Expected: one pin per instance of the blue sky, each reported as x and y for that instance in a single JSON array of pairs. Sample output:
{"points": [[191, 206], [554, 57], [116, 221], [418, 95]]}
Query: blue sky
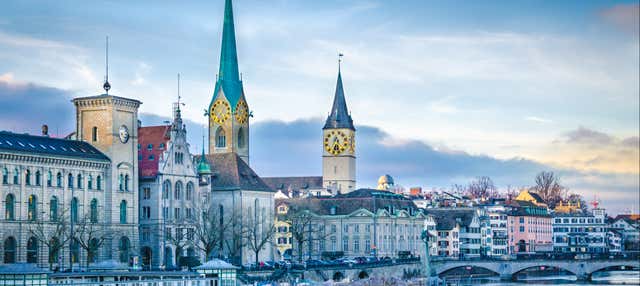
{"points": [[553, 84]]}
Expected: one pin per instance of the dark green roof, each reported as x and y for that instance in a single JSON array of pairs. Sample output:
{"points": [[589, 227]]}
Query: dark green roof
{"points": [[43, 145], [228, 76]]}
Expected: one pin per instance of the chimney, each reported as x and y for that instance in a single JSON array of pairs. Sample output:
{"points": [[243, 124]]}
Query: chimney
{"points": [[45, 130]]}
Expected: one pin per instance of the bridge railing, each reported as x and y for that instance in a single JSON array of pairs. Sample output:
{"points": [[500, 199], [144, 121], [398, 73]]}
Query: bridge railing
{"points": [[545, 256]]}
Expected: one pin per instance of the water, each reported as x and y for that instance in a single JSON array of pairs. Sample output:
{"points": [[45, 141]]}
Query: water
{"points": [[602, 278]]}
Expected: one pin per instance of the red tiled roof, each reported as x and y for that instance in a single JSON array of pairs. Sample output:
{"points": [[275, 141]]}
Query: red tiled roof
{"points": [[154, 135]]}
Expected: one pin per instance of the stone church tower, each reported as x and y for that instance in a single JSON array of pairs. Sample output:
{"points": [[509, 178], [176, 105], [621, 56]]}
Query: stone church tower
{"points": [[228, 111], [338, 146]]}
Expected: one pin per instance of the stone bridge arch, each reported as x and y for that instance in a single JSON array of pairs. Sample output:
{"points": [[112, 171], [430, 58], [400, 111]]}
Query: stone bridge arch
{"points": [[451, 266], [521, 268], [591, 268]]}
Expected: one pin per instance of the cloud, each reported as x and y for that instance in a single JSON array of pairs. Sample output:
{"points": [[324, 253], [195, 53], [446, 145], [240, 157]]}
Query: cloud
{"points": [[537, 119], [624, 16], [587, 136], [26, 106]]}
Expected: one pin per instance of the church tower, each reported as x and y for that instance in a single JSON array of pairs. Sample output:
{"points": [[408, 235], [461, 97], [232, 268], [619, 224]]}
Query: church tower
{"points": [[228, 111], [338, 146]]}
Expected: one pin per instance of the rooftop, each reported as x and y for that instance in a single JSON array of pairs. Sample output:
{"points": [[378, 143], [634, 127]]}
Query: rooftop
{"points": [[48, 146]]}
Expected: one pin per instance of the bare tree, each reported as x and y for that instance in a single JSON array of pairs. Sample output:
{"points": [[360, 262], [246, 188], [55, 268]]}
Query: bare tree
{"points": [[53, 233], [234, 239], [91, 235], [481, 187], [257, 231], [209, 227], [303, 226], [549, 188]]}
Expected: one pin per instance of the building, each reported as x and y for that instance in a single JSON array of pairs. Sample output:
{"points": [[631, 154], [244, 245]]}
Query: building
{"points": [[499, 234], [296, 187], [169, 194], [629, 231], [530, 227], [283, 237], [458, 232], [580, 232]]}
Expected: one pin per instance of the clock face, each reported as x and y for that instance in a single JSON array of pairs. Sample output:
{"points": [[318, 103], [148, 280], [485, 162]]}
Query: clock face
{"points": [[242, 112], [123, 134], [220, 111], [352, 145], [335, 142]]}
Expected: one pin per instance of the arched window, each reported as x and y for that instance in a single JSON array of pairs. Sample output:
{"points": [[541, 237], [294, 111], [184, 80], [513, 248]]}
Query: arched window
{"points": [[38, 178], [9, 203], [168, 260], [178, 191], [49, 179], [59, 180], [54, 250], [16, 176], [124, 247], [121, 182], [92, 252], [53, 209], [90, 182], [189, 195], [99, 183], [27, 177], [70, 181], [123, 211], [79, 181], [221, 138], [75, 251], [32, 209], [5, 176], [126, 182], [94, 134], [166, 189], [32, 250], [10, 250], [74, 209], [93, 214], [241, 138]]}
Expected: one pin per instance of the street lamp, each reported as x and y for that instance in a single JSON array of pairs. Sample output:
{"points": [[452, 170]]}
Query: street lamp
{"points": [[425, 238]]}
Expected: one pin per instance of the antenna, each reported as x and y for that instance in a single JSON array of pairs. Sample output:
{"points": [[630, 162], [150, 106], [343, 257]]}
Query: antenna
{"points": [[106, 84], [178, 90]]}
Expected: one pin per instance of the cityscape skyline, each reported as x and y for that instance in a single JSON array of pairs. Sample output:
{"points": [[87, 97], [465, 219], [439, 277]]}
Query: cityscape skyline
{"points": [[594, 149]]}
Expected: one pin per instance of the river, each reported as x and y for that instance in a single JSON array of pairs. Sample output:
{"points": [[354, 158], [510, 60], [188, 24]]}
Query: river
{"points": [[605, 278]]}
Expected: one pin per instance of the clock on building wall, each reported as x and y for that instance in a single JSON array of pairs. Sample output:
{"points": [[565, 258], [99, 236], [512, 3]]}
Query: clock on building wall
{"points": [[335, 142], [242, 113], [220, 111], [124, 134]]}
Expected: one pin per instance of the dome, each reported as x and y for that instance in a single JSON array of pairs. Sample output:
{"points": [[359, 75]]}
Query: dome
{"points": [[385, 180]]}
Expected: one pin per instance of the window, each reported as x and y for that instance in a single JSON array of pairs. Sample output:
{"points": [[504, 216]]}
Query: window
{"points": [[221, 139], [27, 177], [176, 213], [70, 181], [123, 211], [54, 250], [75, 251], [10, 250], [150, 147], [178, 192], [146, 193], [32, 250], [92, 252], [53, 209], [124, 247], [241, 139], [121, 182], [90, 182], [38, 178], [356, 245], [161, 146], [521, 229], [59, 180], [93, 214], [5, 176], [146, 212], [94, 134], [74, 209], [165, 212], [9, 203], [79, 181], [99, 183], [345, 244], [32, 211], [189, 191], [151, 157], [16, 176], [126, 182], [166, 189]]}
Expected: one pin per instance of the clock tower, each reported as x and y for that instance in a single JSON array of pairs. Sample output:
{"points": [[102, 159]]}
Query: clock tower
{"points": [[338, 146], [228, 111]]}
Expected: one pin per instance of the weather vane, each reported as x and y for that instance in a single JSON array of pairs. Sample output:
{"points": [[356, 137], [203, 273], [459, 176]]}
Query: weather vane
{"points": [[340, 55], [106, 84]]}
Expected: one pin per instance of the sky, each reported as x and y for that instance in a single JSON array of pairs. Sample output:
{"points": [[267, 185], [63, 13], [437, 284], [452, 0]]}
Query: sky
{"points": [[440, 91]]}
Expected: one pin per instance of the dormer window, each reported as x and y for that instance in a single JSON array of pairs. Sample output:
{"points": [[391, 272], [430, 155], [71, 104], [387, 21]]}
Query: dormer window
{"points": [[333, 210]]}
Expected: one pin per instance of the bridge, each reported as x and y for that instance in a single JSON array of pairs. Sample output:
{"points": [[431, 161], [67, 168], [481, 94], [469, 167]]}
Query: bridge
{"points": [[509, 269]]}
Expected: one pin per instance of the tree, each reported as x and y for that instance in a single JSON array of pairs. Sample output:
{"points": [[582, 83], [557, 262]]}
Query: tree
{"points": [[209, 227], [481, 187], [54, 234], [257, 231], [234, 239], [548, 187], [90, 236], [303, 226]]}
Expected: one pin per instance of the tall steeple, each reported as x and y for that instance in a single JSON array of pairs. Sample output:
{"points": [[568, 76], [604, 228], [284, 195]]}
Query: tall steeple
{"points": [[228, 79], [339, 116]]}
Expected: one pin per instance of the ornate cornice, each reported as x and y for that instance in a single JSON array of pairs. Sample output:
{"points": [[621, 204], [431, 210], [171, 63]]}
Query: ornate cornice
{"points": [[35, 159]]}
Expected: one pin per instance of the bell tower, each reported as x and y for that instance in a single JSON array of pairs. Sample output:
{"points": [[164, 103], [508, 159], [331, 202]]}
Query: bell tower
{"points": [[338, 145], [228, 112]]}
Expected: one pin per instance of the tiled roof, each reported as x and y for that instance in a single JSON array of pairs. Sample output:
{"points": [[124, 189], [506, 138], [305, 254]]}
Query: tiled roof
{"points": [[446, 218], [526, 208], [48, 146], [293, 184], [344, 204], [154, 135], [230, 172]]}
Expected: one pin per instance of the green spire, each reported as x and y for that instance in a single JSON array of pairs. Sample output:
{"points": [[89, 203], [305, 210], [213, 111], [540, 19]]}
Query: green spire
{"points": [[203, 165], [228, 76]]}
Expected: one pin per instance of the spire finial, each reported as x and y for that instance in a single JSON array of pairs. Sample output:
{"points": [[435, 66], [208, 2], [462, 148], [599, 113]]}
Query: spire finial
{"points": [[340, 55], [178, 90], [106, 84]]}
